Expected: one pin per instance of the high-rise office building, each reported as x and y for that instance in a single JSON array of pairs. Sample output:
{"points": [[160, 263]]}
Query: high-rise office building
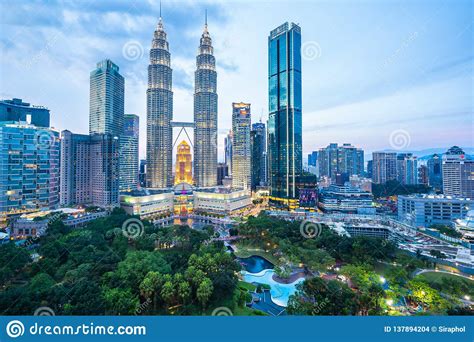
{"points": [[228, 152], [159, 144], [284, 123], [222, 172], [335, 159], [106, 101], [369, 168], [89, 169], [142, 173], [205, 114], [184, 164], [312, 158], [407, 169], [435, 170], [129, 153], [384, 167], [458, 174], [17, 110], [258, 140], [29, 168], [423, 175], [241, 153]]}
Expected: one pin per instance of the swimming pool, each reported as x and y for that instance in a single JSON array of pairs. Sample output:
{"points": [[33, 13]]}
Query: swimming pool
{"points": [[280, 292], [255, 264]]}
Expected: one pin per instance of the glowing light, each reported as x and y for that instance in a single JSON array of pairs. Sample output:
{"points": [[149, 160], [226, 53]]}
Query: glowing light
{"points": [[389, 302], [382, 280]]}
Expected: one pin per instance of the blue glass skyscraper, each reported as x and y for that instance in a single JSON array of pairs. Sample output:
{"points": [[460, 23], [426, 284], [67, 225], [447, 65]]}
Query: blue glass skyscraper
{"points": [[284, 122]]}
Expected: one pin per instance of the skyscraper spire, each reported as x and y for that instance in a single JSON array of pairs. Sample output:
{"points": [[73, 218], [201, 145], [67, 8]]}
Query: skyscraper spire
{"points": [[159, 112], [205, 113]]}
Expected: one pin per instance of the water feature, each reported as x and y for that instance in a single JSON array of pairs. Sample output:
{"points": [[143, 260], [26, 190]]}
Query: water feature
{"points": [[280, 292], [255, 264]]}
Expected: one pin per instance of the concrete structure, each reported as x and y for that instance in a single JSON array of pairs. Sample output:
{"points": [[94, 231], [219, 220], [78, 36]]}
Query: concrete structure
{"points": [[423, 210], [205, 114], [384, 167], [335, 159], [367, 229], [458, 174], [29, 168], [465, 226], [17, 110], [89, 169], [241, 153], [407, 169], [159, 144], [129, 153], [221, 201], [285, 161], [345, 198], [148, 204], [36, 224]]}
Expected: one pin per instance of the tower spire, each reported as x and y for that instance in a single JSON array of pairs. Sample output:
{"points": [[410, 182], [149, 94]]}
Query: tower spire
{"points": [[160, 9]]}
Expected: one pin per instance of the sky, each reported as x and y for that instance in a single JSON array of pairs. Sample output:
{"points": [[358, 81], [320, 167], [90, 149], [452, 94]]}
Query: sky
{"points": [[377, 74]]}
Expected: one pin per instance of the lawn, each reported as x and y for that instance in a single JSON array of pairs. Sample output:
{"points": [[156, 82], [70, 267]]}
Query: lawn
{"points": [[246, 251], [438, 276], [247, 286]]}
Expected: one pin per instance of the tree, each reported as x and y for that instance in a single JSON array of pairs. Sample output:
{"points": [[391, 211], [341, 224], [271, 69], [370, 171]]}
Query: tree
{"points": [[204, 292], [184, 291], [137, 264], [120, 301], [13, 260], [317, 296], [168, 292], [151, 286]]}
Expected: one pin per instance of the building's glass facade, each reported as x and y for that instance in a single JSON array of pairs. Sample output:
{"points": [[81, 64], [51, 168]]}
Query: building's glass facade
{"points": [[129, 153], [241, 155], [29, 168], [259, 155], [284, 122], [205, 115], [106, 106], [17, 110], [159, 113]]}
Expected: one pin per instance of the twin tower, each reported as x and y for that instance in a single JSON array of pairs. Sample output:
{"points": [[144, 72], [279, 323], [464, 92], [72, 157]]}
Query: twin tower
{"points": [[160, 114]]}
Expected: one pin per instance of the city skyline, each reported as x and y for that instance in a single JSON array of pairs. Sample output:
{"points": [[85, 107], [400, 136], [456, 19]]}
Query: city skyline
{"points": [[411, 69]]}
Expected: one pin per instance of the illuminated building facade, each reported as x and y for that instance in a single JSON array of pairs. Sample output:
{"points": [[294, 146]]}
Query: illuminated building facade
{"points": [[159, 113], [284, 122], [29, 168], [241, 155], [205, 114], [184, 164]]}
